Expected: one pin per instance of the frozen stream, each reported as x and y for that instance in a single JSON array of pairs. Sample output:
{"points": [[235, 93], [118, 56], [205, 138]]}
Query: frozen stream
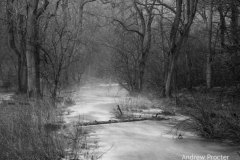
{"points": [[145, 140]]}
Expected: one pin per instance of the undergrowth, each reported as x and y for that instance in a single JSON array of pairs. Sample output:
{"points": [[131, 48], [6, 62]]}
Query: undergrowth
{"points": [[31, 130], [212, 116], [23, 135]]}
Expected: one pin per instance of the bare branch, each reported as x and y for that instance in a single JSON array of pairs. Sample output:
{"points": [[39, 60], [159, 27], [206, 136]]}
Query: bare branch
{"points": [[127, 29], [166, 6], [43, 8]]}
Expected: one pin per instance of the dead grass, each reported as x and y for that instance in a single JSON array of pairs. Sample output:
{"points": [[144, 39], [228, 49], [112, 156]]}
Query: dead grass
{"points": [[23, 135], [141, 107], [31, 130]]}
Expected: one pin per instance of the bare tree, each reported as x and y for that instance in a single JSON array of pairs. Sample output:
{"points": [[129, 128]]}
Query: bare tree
{"points": [[145, 15], [34, 10], [206, 12], [17, 42], [209, 54], [184, 15], [62, 48]]}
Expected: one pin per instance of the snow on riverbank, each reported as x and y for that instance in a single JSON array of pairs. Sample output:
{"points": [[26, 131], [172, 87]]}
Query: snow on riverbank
{"points": [[5, 96]]}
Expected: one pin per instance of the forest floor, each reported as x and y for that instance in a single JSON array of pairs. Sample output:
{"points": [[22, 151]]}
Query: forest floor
{"points": [[142, 140]]}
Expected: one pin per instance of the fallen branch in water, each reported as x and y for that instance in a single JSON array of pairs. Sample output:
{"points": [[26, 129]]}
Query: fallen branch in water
{"points": [[121, 121]]}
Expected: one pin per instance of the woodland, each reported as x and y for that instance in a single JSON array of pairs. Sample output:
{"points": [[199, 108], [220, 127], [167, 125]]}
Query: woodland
{"points": [[186, 52]]}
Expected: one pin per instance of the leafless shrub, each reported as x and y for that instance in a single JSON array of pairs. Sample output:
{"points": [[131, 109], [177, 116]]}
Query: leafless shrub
{"points": [[210, 118], [131, 107], [69, 101]]}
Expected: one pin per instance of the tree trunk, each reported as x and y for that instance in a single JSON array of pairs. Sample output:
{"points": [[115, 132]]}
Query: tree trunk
{"points": [[234, 22], [164, 53], [209, 54], [173, 42], [65, 25], [171, 69], [23, 60], [12, 40], [189, 70], [222, 25], [141, 76], [31, 50], [37, 66], [1, 74], [176, 38], [32, 91], [55, 89], [20, 87], [24, 74], [235, 38], [81, 18], [145, 49]]}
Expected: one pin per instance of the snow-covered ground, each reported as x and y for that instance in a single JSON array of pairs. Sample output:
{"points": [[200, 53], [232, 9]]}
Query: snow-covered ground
{"points": [[145, 140], [5, 96]]}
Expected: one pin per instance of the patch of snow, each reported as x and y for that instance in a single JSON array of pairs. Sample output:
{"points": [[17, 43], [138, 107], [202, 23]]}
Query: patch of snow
{"points": [[5, 96], [152, 111], [108, 85]]}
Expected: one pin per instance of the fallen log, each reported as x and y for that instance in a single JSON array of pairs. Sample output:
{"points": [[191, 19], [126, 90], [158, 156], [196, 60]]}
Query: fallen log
{"points": [[121, 121]]}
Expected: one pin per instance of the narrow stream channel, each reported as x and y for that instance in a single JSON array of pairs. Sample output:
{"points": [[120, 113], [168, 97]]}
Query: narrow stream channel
{"points": [[145, 140]]}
